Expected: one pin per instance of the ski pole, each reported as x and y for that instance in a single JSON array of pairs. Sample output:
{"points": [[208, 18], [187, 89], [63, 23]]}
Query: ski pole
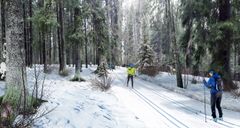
{"points": [[205, 104], [204, 99]]}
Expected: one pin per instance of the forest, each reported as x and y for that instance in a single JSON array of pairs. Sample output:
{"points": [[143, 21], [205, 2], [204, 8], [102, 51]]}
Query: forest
{"points": [[184, 37]]}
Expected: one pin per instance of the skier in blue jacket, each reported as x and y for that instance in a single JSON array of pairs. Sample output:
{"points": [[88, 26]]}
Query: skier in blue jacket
{"points": [[215, 97]]}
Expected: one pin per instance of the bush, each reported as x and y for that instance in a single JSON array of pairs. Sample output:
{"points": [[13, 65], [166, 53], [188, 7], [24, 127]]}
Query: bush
{"points": [[149, 70], [236, 93], [16, 114], [101, 71], [15, 117], [102, 83]]}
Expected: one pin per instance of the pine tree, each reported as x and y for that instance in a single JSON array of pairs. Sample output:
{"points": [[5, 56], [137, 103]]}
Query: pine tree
{"points": [[100, 32], [78, 38], [146, 54]]}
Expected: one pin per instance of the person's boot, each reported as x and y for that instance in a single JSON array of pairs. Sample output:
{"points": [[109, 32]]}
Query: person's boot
{"points": [[221, 118], [215, 119]]}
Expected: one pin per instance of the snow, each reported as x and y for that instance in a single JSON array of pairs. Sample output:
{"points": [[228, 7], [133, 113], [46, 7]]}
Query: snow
{"points": [[2, 70], [148, 105], [195, 91]]}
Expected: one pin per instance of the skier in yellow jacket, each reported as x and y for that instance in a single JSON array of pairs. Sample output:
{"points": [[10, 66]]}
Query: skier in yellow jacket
{"points": [[131, 72]]}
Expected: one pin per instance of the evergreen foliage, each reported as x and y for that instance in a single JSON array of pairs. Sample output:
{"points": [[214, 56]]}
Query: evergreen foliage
{"points": [[146, 55], [210, 28]]}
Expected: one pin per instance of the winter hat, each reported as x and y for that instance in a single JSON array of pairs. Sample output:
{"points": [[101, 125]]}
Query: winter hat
{"points": [[211, 71], [131, 65]]}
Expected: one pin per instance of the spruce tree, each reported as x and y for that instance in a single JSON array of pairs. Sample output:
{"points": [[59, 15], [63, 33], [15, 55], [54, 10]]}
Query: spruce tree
{"points": [[146, 54]]}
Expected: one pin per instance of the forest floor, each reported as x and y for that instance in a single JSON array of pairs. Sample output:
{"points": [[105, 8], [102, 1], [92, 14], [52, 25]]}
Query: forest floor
{"points": [[148, 105]]}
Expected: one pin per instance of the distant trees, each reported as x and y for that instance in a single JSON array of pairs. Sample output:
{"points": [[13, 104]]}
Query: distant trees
{"points": [[190, 35], [182, 34], [48, 25]]}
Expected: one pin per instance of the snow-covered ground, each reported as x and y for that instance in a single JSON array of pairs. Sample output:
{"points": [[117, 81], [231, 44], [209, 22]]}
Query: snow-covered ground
{"points": [[148, 105], [195, 91]]}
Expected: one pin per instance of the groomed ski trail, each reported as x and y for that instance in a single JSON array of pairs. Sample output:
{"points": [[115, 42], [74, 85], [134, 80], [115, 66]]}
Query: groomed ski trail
{"points": [[166, 111]]}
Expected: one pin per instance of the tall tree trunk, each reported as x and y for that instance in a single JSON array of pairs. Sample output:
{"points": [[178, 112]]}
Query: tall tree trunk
{"points": [[40, 47], [235, 60], [115, 31], [1, 44], [30, 52], [108, 5], [73, 55], [86, 44], [97, 41], [16, 75], [69, 49], [61, 37], [3, 27], [173, 40], [50, 42], [77, 45], [68, 55], [238, 57], [221, 58], [97, 26], [44, 51], [55, 47], [25, 32], [43, 32]]}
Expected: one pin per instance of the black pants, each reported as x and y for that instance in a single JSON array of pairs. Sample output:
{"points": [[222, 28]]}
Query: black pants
{"points": [[130, 77], [216, 102]]}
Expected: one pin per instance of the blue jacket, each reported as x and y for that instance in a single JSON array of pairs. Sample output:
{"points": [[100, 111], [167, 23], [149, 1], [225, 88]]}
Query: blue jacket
{"points": [[212, 83]]}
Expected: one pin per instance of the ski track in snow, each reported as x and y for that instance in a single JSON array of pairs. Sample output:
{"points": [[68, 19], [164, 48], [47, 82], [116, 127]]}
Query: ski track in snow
{"points": [[190, 116]]}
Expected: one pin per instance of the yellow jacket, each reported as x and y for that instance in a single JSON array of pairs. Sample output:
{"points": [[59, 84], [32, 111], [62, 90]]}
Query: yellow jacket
{"points": [[131, 71]]}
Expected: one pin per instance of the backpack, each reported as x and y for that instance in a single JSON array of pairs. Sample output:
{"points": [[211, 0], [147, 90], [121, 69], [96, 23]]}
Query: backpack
{"points": [[219, 86]]}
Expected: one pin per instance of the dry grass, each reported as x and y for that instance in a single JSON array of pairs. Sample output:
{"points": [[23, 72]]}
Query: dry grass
{"points": [[236, 92], [102, 83]]}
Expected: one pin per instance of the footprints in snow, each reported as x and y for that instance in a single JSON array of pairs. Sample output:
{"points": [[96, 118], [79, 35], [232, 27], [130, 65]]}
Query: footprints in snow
{"points": [[106, 112], [79, 107]]}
